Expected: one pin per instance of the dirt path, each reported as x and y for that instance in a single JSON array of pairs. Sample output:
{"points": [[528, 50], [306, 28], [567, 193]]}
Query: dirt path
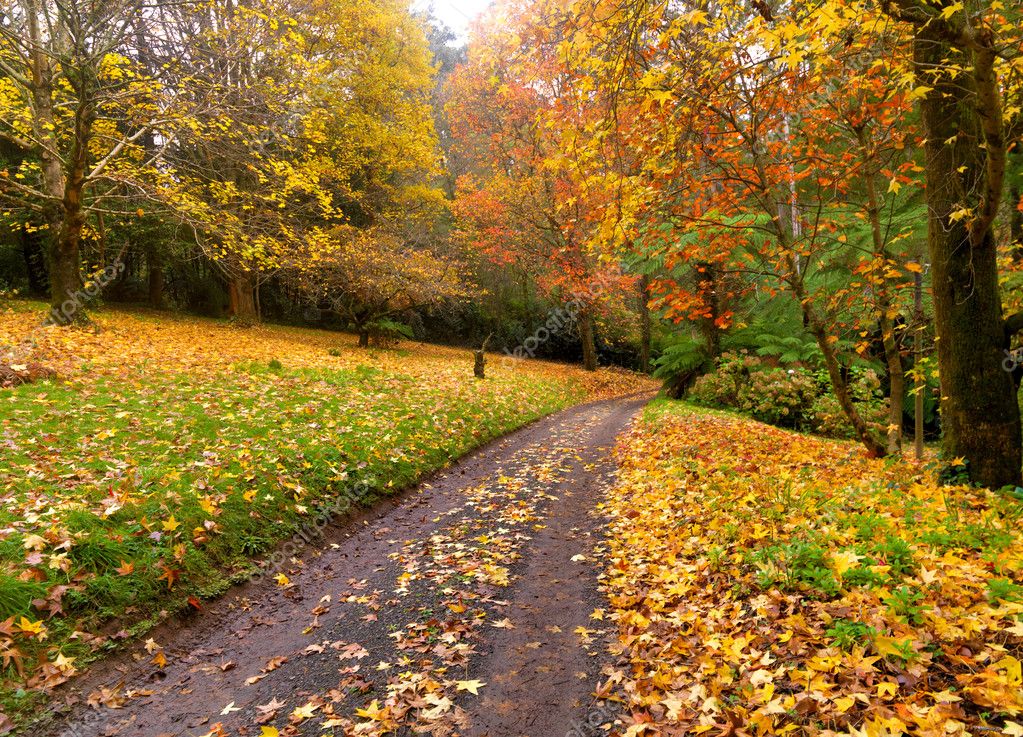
{"points": [[464, 609]]}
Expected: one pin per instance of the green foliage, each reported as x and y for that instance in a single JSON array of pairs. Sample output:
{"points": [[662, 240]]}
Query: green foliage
{"points": [[905, 603], [681, 356], [1002, 589], [845, 633], [789, 348], [896, 553], [798, 565], [386, 333], [16, 596], [679, 363]]}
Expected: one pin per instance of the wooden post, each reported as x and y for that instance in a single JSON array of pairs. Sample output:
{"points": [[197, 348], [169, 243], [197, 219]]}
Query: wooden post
{"points": [[479, 368]]}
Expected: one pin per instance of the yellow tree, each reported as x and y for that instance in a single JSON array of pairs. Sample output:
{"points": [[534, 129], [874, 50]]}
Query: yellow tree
{"points": [[331, 125], [77, 105], [367, 275], [967, 59]]}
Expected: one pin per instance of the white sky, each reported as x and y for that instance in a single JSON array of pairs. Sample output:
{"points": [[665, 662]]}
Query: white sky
{"points": [[455, 13]]}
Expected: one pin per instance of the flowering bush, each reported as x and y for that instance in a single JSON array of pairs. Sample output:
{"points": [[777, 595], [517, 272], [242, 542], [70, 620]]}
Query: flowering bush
{"points": [[778, 397], [790, 397], [827, 417], [721, 388]]}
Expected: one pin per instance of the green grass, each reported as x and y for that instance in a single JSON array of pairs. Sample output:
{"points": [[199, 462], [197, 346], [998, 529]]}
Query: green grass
{"points": [[204, 472]]}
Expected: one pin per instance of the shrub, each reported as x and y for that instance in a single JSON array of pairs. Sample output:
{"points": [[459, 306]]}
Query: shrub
{"points": [[827, 417], [778, 397], [791, 397], [386, 333], [721, 388]]}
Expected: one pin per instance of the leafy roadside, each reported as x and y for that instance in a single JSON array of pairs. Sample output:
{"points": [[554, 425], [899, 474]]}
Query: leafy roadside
{"points": [[173, 452], [766, 582]]}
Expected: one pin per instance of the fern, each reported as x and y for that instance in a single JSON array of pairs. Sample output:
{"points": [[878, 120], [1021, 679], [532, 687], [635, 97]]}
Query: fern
{"points": [[680, 358], [789, 349]]}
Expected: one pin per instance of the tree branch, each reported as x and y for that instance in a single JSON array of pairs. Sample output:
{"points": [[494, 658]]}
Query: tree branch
{"points": [[1013, 324]]}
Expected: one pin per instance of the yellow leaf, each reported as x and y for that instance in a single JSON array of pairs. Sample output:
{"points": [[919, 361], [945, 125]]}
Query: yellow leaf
{"points": [[844, 703], [170, 524], [950, 10], [844, 560], [891, 646], [1013, 729], [472, 687], [373, 711], [888, 688], [29, 627], [304, 712]]}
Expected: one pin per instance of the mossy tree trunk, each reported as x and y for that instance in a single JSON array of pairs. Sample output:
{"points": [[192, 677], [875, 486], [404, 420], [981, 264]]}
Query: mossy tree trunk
{"points": [[586, 336], [645, 324], [965, 164]]}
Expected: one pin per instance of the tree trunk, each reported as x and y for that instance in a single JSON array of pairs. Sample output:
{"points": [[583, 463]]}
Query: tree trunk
{"points": [[243, 303], [1016, 223], [840, 386], [363, 338], [979, 410], [34, 251], [896, 382], [586, 337], [157, 279], [66, 296], [918, 354], [645, 324], [65, 257], [893, 359], [706, 276], [63, 228]]}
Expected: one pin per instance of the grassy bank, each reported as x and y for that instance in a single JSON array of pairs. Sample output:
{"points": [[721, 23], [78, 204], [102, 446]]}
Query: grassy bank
{"points": [[172, 454]]}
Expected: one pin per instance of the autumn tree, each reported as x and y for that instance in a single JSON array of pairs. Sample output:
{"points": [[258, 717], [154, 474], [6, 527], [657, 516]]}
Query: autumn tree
{"points": [[734, 123], [962, 54], [246, 176], [373, 274], [514, 114], [77, 105]]}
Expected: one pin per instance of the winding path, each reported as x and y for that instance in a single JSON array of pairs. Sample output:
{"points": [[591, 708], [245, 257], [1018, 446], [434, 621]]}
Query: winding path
{"points": [[464, 608]]}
